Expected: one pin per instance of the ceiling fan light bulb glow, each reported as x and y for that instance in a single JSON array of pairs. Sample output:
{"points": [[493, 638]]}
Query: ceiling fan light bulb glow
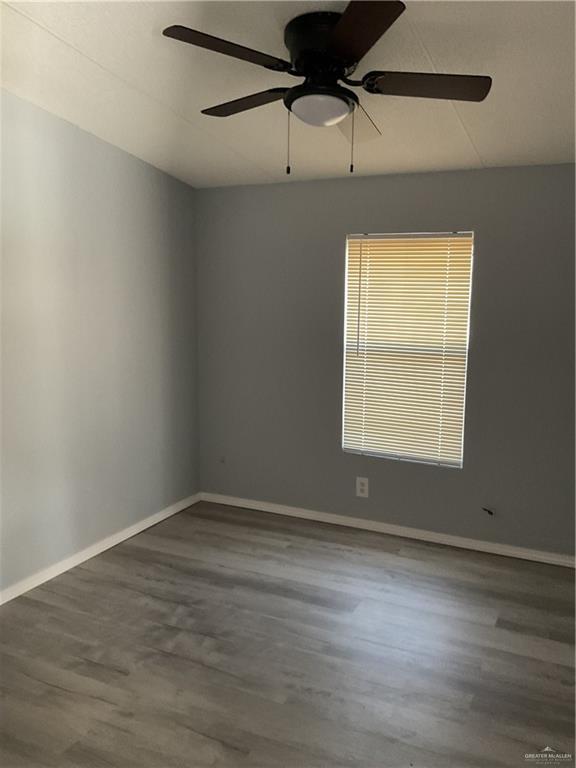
{"points": [[320, 109]]}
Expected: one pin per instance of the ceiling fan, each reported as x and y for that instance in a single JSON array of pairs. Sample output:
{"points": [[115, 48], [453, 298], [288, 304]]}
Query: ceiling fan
{"points": [[325, 49]]}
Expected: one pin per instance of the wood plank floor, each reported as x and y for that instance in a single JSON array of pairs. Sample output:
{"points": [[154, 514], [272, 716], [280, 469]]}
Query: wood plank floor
{"points": [[234, 638]]}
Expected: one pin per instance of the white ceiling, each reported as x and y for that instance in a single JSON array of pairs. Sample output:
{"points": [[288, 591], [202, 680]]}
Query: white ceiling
{"points": [[105, 67]]}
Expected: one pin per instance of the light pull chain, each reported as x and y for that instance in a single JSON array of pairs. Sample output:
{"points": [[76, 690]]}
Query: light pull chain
{"points": [[352, 143], [288, 169]]}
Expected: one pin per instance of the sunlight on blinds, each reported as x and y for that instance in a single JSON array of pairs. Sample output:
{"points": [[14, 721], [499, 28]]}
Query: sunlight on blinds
{"points": [[406, 345]]}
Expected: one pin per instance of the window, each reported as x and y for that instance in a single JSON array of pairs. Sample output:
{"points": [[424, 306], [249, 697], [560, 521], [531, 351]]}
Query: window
{"points": [[406, 345]]}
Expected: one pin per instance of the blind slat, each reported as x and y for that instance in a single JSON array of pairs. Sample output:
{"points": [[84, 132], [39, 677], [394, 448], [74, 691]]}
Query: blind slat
{"points": [[406, 345]]}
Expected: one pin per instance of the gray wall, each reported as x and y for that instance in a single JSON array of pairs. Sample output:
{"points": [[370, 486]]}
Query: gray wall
{"points": [[124, 289], [271, 272], [98, 340]]}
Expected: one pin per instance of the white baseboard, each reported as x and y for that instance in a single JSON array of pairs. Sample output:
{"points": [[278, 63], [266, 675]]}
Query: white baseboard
{"points": [[95, 549], [507, 550]]}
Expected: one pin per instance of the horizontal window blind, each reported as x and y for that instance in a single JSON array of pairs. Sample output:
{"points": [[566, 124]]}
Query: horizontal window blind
{"points": [[406, 345]]}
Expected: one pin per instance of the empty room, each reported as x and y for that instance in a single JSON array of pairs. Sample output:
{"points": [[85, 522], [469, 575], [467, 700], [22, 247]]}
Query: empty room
{"points": [[287, 347]]}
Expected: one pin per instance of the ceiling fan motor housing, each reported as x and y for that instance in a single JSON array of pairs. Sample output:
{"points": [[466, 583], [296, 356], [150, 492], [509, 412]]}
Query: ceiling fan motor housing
{"points": [[308, 39], [320, 100]]}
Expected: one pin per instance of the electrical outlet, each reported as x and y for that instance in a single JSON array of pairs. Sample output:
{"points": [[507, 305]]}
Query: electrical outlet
{"points": [[362, 487]]}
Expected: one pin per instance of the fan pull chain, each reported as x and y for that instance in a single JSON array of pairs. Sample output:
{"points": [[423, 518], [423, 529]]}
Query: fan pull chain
{"points": [[288, 169], [352, 144]]}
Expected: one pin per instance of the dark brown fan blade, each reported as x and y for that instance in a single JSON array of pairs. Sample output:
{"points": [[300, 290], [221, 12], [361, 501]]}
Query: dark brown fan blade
{"points": [[361, 25], [246, 102], [186, 35], [428, 86]]}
